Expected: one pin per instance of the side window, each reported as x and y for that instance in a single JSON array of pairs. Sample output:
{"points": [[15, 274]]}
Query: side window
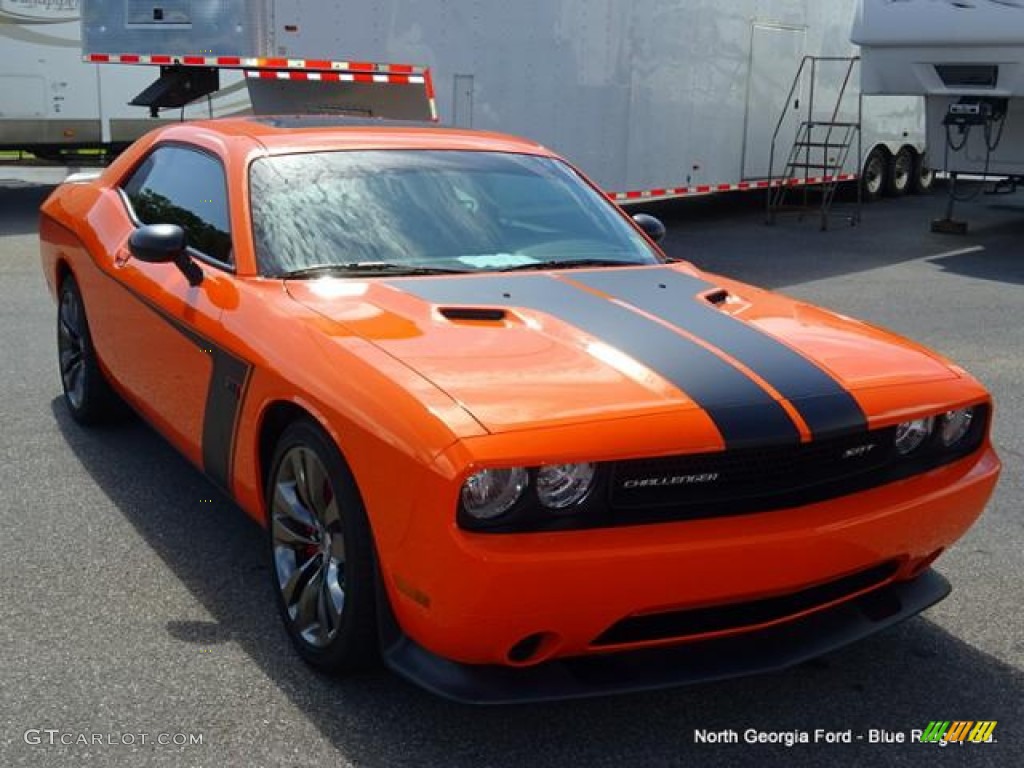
{"points": [[175, 185]]}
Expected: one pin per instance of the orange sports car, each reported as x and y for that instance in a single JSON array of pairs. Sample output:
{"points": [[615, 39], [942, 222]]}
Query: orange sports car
{"points": [[496, 436]]}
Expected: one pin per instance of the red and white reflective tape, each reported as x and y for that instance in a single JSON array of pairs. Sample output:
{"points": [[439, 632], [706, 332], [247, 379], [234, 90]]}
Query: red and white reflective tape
{"points": [[309, 70], [251, 62], [707, 189], [431, 96], [335, 77]]}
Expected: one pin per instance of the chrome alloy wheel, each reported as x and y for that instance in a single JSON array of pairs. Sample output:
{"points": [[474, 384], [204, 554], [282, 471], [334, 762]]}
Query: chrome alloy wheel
{"points": [[71, 346], [308, 546]]}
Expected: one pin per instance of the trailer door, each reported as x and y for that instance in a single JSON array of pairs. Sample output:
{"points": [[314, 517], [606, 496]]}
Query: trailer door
{"points": [[775, 54]]}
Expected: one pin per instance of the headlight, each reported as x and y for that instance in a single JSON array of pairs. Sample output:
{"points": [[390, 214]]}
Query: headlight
{"points": [[911, 434], [560, 486], [953, 425], [492, 492]]}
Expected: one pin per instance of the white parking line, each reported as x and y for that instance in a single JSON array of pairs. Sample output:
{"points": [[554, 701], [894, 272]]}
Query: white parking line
{"points": [[958, 252]]}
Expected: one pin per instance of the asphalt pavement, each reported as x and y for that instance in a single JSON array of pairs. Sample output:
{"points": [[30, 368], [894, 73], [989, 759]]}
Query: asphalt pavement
{"points": [[137, 607]]}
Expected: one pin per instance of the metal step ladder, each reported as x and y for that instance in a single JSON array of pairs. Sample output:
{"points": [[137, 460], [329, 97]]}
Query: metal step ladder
{"points": [[820, 151]]}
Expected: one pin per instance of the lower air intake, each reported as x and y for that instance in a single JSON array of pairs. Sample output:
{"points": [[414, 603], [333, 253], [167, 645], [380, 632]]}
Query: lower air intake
{"points": [[682, 624]]}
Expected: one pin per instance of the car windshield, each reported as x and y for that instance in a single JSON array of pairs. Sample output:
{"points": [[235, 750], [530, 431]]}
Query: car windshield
{"points": [[385, 211]]}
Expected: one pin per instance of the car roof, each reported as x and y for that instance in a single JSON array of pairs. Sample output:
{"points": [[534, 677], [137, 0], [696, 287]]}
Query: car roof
{"points": [[298, 133]]}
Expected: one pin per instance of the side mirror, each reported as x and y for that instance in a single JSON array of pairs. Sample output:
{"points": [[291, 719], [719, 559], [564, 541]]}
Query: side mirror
{"points": [[651, 226], [162, 244]]}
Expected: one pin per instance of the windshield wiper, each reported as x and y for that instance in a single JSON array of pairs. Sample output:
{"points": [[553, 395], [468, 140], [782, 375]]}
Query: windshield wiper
{"points": [[368, 268], [572, 263]]}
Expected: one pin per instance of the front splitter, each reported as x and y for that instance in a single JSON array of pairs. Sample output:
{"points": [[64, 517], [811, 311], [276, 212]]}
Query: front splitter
{"points": [[765, 650]]}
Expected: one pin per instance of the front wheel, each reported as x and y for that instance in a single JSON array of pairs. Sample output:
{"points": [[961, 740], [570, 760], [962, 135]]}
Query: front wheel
{"points": [[321, 552]]}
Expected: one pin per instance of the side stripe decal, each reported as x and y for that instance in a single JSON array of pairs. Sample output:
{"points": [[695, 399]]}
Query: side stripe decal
{"points": [[743, 412], [229, 381], [827, 408]]}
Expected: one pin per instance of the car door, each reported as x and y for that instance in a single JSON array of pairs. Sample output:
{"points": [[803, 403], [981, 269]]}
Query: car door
{"points": [[163, 330]]}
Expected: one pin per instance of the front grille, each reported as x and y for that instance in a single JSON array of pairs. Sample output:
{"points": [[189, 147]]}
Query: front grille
{"points": [[771, 476], [700, 621], [737, 481]]}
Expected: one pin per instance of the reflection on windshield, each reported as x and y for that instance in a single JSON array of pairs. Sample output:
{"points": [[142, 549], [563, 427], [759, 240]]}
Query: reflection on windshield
{"points": [[443, 209]]}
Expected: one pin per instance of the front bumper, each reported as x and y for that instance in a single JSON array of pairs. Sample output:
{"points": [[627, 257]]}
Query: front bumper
{"points": [[654, 668], [475, 599]]}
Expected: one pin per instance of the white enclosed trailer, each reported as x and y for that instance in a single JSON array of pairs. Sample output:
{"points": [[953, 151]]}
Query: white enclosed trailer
{"points": [[967, 60], [52, 101], [653, 98]]}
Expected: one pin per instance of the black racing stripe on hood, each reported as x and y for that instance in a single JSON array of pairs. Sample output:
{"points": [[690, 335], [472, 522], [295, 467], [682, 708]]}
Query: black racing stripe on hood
{"points": [[745, 414], [827, 408]]}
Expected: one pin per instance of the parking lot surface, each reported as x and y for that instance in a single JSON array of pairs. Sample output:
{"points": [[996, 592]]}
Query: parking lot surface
{"points": [[137, 605]]}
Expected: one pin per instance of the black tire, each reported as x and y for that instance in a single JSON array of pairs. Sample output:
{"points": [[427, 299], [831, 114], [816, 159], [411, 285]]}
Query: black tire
{"points": [[901, 172], [321, 552], [874, 174], [87, 393], [923, 179]]}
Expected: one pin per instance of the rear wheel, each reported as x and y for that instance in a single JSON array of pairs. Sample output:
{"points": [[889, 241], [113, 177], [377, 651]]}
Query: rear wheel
{"points": [[321, 552], [876, 169], [88, 395], [901, 171]]}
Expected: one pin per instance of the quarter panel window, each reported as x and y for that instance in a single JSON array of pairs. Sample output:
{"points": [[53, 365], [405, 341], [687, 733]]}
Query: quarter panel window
{"points": [[175, 185]]}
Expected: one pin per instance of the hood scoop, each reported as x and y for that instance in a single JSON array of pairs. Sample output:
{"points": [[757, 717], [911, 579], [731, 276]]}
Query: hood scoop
{"points": [[474, 314], [717, 298]]}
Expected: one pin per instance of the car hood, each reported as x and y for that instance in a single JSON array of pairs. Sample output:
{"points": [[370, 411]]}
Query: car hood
{"points": [[530, 350]]}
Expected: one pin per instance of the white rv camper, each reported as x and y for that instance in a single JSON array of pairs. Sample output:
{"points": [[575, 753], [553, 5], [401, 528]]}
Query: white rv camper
{"points": [[51, 101], [653, 99], [967, 60]]}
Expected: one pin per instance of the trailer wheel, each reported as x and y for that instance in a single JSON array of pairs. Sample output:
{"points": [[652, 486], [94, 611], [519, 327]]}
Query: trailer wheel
{"points": [[901, 171], [876, 170], [924, 175]]}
